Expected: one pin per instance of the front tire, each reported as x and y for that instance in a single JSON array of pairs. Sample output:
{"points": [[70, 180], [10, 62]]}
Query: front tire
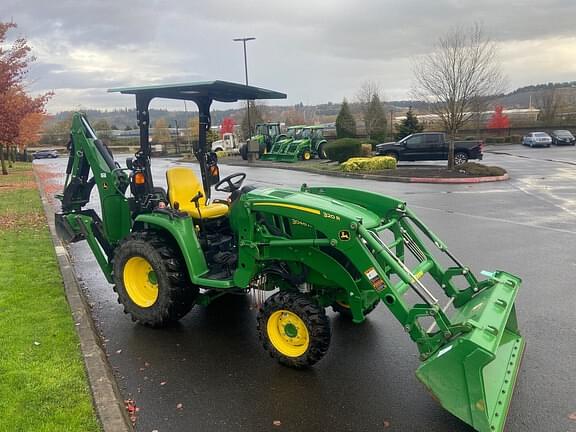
{"points": [[306, 155], [294, 329], [151, 280], [460, 158], [391, 154]]}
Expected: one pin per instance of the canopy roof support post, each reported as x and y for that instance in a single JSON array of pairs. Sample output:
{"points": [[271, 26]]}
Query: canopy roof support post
{"points": [[200, 151], [143, 119]]}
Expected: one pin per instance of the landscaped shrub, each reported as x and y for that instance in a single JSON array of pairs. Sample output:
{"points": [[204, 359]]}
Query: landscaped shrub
{"points": [[343, 149], [366, 149], [476, 169], [495, 140], [376, 163]]}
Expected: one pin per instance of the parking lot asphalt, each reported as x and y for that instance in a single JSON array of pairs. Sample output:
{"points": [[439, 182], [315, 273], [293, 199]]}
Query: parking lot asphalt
{"points": [[209, 372]]}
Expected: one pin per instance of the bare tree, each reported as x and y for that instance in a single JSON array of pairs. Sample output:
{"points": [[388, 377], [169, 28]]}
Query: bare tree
{"points": [[462, 70], [364, 97], [549, 103]]}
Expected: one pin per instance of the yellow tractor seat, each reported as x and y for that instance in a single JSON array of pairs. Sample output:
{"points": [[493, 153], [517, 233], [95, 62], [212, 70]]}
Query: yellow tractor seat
{"points": [[183, 185]]}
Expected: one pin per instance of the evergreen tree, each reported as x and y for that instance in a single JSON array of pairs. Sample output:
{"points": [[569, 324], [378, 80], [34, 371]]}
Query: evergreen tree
{"points": [[409, 125], [345, 123], [375, 120]]}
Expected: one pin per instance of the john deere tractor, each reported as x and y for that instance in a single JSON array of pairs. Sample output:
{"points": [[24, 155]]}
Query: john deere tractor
{"points": [[304, 250], [266, 134], [292, 133], [307, 145]]}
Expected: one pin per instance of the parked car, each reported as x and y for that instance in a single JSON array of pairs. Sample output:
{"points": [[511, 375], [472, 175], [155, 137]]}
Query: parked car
{"points": [[537, 139], [430, 146], [46, 154], [562, 137]]}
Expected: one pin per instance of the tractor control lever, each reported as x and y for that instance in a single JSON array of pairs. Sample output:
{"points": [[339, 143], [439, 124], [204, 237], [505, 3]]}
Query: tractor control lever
{"points": [[196, 198]]}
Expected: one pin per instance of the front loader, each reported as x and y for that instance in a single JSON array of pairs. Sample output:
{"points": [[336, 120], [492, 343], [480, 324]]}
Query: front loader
{"points": [[309, 143], [301, 250], [279, 147]]}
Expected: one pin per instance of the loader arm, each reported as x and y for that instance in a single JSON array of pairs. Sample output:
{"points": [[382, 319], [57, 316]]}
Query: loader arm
{"points": [[346, 245]]}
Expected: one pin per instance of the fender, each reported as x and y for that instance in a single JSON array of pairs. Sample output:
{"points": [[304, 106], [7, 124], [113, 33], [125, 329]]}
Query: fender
{"points": [[182, 230]]}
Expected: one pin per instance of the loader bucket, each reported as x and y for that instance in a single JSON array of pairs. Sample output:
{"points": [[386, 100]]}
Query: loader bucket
{"points": [[268, 156], [473, 375]]}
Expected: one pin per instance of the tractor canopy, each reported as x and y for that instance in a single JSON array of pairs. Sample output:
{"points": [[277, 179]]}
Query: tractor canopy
{"points": [[202, 93]]}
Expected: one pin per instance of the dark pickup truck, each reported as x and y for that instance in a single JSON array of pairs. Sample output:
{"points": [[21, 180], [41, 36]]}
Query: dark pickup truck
{"points": [[430, 146]]}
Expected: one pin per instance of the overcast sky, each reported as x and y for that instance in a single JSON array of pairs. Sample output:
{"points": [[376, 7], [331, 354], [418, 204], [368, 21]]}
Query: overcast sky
{"points": [[315, 51]]}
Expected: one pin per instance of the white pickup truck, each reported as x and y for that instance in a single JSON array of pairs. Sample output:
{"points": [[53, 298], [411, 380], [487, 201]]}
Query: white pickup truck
{"points": [[229, 142]]}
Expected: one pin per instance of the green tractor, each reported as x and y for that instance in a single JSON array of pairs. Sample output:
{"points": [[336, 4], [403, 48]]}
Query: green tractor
{"points": [[309, 144], [266, 135], [304, 250], [280, 146]]}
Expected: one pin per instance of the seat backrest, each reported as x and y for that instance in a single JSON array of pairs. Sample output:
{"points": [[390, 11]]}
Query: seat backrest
{"points": [[183, 185]]}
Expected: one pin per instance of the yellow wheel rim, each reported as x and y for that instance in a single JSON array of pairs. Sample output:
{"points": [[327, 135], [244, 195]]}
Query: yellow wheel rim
{"points": [[288, 333], [140, 282], [306, 155]]}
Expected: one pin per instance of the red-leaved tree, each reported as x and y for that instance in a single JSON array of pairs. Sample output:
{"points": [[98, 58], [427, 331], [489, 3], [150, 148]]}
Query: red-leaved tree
{"points": [[227, 126], [15, 104], [499, 120]]}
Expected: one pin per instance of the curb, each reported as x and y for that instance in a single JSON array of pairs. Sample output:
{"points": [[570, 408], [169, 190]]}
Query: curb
{"points": [[434, 180], [107, 401], [459, 180]]}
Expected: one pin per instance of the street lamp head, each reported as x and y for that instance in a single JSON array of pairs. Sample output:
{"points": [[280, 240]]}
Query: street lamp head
{"points": [[243, 39]]}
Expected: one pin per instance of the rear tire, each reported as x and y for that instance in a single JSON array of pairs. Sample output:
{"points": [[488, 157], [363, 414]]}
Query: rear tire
{"points": [[164, 294], [294, 329], [321, 152], [244, 152]]}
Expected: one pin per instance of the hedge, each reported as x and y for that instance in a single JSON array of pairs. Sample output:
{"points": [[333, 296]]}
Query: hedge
{"points": [[368, 164], [343, 149]]}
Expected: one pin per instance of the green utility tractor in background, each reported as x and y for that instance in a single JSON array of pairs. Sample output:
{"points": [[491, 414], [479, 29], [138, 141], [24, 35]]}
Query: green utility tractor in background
{"points": [[266, 134], [311, 143], [292, 133], [304, 250]]}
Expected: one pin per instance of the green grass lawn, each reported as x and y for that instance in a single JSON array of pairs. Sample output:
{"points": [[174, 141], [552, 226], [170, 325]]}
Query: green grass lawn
{"points": [[43, 385]]}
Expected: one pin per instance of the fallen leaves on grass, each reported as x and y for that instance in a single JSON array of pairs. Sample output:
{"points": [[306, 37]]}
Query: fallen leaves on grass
{"points": [[11, 221], [18, 186]]}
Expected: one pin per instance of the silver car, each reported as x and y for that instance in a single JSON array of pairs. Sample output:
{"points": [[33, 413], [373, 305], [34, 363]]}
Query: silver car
{"points": [[537, 139]]}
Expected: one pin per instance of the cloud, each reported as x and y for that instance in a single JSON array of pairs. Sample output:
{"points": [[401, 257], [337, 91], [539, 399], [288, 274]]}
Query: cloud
{"points": [[315, 51]]}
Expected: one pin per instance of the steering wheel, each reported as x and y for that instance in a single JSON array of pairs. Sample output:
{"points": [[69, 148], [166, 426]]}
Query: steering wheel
{"points": [[231, 183]]}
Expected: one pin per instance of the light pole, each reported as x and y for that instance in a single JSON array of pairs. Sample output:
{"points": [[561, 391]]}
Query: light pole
{"points": [[244, 40]]}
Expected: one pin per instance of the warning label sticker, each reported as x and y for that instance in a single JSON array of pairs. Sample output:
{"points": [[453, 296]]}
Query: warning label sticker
{"points": [[375, 280]]}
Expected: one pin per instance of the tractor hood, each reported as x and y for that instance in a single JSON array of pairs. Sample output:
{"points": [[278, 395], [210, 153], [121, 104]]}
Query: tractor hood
{"points": [[308, 203]]}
